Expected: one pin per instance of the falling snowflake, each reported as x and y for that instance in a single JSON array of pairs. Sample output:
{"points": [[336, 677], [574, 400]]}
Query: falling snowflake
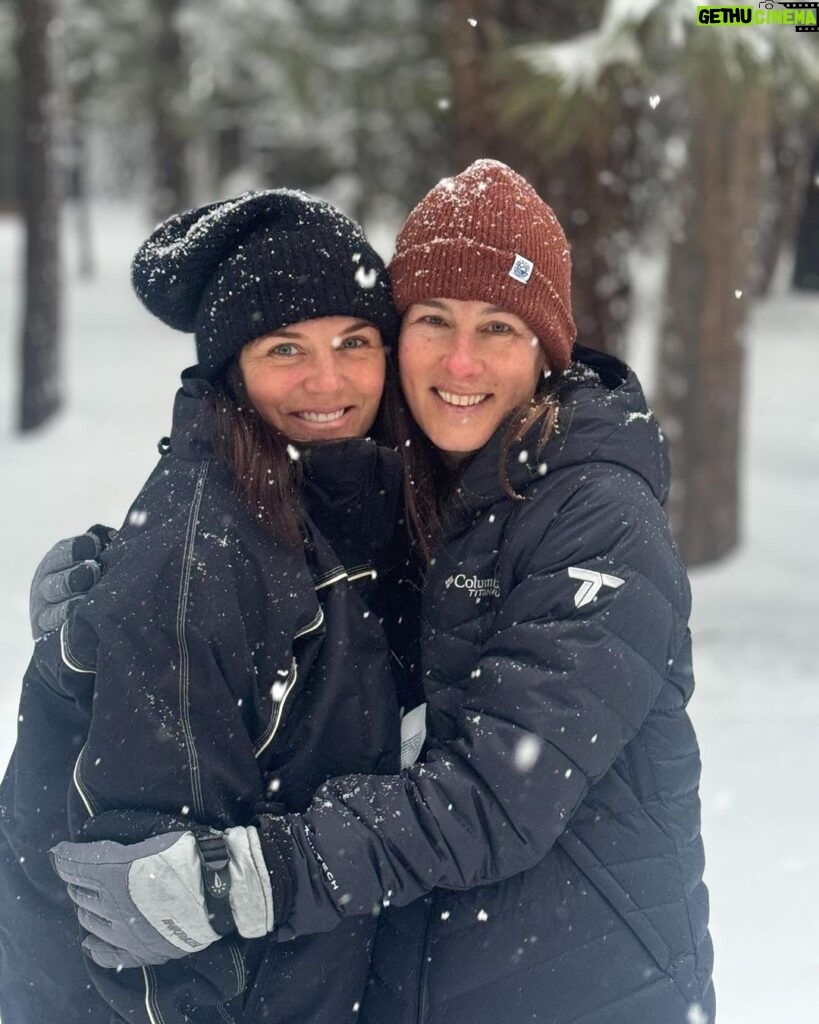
{"points": [[527, 752], [366, 278], [482, 915], [473, 22], [654, 102]]}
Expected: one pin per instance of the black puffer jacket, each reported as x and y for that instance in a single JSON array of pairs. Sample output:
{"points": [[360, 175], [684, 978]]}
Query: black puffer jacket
{"points": [[213, 673], [556, 814]]}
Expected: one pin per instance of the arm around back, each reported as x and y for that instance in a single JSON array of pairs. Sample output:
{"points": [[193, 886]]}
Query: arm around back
{"points": [[592, 610]]}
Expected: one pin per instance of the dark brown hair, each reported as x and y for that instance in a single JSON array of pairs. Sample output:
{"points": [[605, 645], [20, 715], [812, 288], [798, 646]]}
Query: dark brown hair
{"points": [[432, 487], [261, 458]]}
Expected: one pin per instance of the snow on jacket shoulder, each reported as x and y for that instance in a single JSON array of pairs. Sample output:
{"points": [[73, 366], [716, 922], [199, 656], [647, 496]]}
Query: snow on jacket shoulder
{"points": [[557, 801], [223, 673]]}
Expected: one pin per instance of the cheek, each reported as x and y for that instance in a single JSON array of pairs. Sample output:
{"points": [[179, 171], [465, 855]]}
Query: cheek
{"points": [[524, 382], [265, 393], [410, 365]]}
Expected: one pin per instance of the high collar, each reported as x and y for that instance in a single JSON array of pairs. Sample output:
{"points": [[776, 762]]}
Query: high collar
{"points": [[190, 433]]}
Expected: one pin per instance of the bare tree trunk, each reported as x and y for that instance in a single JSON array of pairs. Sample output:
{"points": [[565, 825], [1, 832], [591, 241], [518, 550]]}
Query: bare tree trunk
{"points": [[700, 377], [806, 268], [172, 191], [40, 390], [589, 190], [790, 152], [471, 40]]}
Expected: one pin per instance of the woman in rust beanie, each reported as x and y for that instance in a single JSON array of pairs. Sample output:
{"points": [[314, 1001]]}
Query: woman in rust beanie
{"points": [[541, 860], [486, 234]]}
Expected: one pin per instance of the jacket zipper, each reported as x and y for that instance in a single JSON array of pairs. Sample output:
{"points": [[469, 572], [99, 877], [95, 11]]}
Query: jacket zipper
{"points": [[264, 741], [423, 995], [85, 796], [266, 738]]}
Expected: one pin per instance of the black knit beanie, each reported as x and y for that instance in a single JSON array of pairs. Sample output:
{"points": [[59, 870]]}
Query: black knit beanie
{"points": [[235, 270]]}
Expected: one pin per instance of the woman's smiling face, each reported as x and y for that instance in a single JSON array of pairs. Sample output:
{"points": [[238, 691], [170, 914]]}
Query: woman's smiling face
{"points": [[465, 366], [317, 380]]}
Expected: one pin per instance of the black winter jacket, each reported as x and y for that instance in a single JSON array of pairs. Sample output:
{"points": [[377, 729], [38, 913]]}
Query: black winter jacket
{"points": [[556, 812], [213, 673]]}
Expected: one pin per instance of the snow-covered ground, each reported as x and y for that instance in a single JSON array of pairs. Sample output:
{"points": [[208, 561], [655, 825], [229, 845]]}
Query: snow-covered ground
{"points": [[756, 616]]}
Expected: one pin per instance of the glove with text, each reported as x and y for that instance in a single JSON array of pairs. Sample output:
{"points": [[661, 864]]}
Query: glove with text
{"points": [[167, 896]]}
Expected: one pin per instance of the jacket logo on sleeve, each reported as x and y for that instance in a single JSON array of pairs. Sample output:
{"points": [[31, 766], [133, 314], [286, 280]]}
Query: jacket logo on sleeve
{"points": [[592, 582], [488, 587]]}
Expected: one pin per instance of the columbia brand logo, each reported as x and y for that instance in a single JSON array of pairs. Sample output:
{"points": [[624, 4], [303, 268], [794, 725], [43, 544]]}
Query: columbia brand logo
{"points": [[488, 587], [592, 582], [521, 269]]}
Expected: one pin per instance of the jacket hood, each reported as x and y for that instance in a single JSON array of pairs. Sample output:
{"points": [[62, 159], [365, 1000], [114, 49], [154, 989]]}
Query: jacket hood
{"points": [[603, 417]]}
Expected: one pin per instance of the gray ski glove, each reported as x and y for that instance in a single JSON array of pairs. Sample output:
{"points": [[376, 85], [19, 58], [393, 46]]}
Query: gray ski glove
{"points": [[146, 903], [68, 571]]}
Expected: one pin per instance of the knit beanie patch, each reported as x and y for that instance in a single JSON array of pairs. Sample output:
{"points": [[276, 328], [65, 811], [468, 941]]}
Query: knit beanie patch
{"points": [[233, 271], [486, 235]]}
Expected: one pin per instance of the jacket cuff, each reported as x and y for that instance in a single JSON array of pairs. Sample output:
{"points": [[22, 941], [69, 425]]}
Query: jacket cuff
{"points": [[277, 849]]}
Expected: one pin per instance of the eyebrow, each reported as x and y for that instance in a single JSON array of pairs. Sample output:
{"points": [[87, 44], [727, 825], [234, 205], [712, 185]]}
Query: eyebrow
{"points": [[437, 304], [289, 332]]}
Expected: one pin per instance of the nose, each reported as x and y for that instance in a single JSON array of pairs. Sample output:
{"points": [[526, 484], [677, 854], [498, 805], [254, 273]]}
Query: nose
{"points": [[462, 359], [325, 376]]}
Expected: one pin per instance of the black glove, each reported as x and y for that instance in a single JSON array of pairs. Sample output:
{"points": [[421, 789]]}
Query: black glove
{"points": [[64, 576]]}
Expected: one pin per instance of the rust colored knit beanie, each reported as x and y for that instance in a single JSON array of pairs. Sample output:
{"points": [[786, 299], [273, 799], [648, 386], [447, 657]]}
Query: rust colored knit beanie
{"points": [[486, 235]]}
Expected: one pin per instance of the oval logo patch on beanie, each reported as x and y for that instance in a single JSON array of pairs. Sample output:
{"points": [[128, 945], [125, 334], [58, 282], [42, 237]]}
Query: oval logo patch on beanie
{"points": [[521, 269]]}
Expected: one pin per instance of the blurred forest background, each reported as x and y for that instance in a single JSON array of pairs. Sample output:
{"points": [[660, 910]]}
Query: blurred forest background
{"points": [[645, 131]]}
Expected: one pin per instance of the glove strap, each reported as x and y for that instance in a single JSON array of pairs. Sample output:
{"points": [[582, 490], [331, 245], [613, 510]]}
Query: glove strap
{"points": [[215, 860]]}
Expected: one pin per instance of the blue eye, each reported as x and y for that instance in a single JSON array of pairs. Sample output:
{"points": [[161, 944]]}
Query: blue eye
{"points": [[353, 342], [498, 327], [286, 348]]}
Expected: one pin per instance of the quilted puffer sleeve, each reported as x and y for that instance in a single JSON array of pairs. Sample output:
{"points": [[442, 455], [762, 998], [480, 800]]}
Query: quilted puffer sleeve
{"points": [[579, 653]]}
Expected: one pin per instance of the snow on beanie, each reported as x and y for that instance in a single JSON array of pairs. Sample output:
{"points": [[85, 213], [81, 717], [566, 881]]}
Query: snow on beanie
{"points": [[486, 235], [233, 271]]}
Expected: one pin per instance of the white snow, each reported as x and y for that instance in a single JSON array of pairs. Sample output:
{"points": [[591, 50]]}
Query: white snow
{"points": [[756, 625]]}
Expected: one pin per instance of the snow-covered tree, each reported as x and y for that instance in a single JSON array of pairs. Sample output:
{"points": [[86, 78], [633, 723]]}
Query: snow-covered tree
{"points": [[709, 139]]}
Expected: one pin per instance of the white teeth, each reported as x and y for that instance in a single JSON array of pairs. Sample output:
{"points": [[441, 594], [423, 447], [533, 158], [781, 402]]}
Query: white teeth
{"points": [[321, 417], [452, 399]]}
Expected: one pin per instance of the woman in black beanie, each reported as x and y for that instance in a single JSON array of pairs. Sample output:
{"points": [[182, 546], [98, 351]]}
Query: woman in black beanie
{"points": [[236, 635]]}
